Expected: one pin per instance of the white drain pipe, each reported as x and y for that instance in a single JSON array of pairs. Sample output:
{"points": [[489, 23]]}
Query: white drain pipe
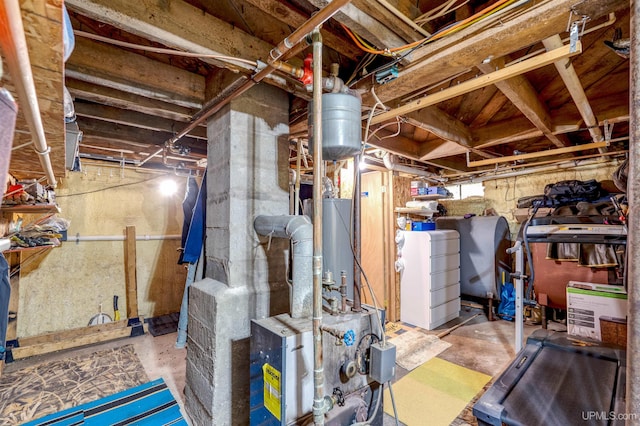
{"points": [[300, 231], [14, 47]]}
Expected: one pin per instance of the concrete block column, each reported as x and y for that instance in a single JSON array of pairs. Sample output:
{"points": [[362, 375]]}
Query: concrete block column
{"points": [[247, 175]]}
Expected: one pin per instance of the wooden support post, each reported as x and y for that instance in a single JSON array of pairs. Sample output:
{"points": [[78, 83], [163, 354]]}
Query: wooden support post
{"points": [[131, 282]]}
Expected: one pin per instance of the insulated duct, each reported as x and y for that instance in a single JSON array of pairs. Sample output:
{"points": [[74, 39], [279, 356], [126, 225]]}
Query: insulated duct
{"points": [[389, 163], [300, 231]]}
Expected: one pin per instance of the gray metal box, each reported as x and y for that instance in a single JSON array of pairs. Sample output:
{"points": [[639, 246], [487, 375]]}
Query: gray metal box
{"points": [[383, 362]]}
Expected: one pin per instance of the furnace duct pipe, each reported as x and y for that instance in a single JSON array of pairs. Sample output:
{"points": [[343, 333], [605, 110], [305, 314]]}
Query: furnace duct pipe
{"points": [[390, 163], [14, 46], [300, 231], [633, 225]]}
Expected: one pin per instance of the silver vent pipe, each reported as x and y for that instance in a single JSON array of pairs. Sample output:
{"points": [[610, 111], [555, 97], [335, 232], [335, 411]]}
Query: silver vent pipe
{"points": [[300, 231]]}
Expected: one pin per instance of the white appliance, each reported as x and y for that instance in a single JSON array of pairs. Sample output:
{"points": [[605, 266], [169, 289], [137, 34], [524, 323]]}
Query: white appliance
{"points": [[429, 265]]}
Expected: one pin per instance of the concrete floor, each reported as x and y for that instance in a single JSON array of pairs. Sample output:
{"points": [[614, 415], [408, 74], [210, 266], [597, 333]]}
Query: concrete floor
{"points": [[481, 345]]}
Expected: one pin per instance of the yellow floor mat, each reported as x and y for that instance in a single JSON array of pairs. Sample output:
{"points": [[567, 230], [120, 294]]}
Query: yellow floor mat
{"points": [[434, 393]]}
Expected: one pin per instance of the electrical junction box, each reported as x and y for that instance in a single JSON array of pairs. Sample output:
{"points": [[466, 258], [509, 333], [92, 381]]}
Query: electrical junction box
{"points": [[382, 364]]}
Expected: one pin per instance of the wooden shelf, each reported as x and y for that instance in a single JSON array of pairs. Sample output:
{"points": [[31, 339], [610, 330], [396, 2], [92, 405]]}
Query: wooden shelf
{"points": [[30, 208], [431, 197], [23, 249], [416, 211]]}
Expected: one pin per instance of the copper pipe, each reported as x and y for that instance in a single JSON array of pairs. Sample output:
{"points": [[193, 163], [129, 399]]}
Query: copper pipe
{"points": [[299, 34], [343, 291], [318, 368], [633, 224], [285, 49], [357, 273]]}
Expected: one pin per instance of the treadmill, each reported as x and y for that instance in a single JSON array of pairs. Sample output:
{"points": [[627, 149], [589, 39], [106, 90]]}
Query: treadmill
{"points": [[560, 380]]}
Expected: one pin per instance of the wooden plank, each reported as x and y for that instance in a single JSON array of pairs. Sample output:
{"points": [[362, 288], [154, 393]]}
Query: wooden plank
{"points": [[379, 12], [524, 97], [463, 50], [113, 67], [572, 81], [131, 283], [129, 101], [364, 25], [289, 15], [132, 135], [72, 342], [372, 243], [442, 125], [179, 25], [558, 151], [135, 119], [479, 82], [388, 235], [59, 336]]}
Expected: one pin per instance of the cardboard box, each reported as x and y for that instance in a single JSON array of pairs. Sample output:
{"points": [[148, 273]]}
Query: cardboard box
{"points": [[587, 303]]}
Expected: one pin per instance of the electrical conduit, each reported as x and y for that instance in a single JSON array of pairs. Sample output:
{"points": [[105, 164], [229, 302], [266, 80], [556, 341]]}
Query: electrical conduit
{"points": [[300, 231]]}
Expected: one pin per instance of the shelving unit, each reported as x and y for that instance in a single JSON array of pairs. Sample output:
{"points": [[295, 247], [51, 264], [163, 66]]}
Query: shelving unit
{"points": [[24, 249], [30, 208]]}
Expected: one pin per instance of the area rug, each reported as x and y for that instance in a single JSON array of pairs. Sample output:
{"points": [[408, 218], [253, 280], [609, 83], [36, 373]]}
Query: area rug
{"points": [[414, 348], [50, 387], [149, 404], [434, 393]]}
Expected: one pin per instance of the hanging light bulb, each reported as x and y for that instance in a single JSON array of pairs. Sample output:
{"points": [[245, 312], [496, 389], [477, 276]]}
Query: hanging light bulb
{"points": [[168, 187]]}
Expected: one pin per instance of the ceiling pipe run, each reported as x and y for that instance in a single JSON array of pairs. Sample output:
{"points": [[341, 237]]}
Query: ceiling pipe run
{"points": [[243, 84], [14, 47], [390, 163]]}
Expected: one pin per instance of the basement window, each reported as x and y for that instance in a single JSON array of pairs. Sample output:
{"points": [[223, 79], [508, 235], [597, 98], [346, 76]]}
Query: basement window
{"points": [[466, 190]]}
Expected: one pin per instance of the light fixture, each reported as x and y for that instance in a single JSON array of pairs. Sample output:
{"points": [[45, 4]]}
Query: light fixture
{"points": [[363, 164], [168, 187]]}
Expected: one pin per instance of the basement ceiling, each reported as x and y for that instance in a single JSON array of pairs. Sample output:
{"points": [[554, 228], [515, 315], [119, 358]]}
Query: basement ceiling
{"points": [[458, 88]]}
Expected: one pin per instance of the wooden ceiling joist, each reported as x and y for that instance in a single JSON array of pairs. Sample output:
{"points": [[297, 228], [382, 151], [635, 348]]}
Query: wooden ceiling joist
{"points": [[463, 50], [481, 81], [572, 81], [126, 100], [134, 119], [109, 66], [524, 97]]}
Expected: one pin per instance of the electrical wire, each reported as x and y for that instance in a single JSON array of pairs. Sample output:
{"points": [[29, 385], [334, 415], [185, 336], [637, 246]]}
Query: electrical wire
{"points": [[393, 403], [110, 187], [162, 50]]}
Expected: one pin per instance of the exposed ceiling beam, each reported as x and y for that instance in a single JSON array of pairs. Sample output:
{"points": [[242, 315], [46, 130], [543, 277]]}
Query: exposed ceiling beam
{"points": [[126, 100], [364, 25], [134, 119], [128, 134], [481, 81], [547, 153], [380, 13], [181, 26], [291, 16], [572, 81], [453, 54], [567, 121], [523, 96], [109, 66], [442, 125]]}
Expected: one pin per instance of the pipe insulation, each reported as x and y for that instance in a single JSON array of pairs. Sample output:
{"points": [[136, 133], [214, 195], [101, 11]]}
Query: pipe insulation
{"points": [[390, 163], [14, 47], [300, 231]]}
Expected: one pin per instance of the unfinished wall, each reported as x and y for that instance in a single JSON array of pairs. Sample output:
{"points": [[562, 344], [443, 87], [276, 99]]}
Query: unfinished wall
{"points": [[502, 195], [63, 287]]}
